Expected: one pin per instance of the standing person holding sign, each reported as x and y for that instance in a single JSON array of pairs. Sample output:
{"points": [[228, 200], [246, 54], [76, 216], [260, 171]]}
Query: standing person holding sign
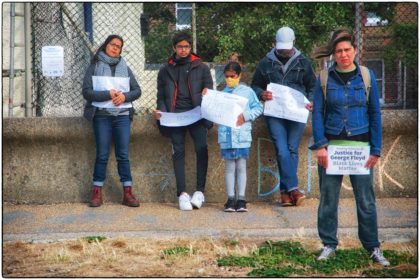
{"points": [[235, 142], [180, 83], [111, 111], [346, 112], [285, 65]]}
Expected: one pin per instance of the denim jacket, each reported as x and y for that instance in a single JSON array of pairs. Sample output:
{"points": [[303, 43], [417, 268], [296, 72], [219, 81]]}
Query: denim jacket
{"points": [[297, 73], [241, 137], [347, 107]]}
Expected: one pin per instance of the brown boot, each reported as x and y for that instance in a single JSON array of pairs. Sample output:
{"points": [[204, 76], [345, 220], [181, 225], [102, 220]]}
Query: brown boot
{"points": [[96, 197], [129, 199], [297, 197], [286, 200]]}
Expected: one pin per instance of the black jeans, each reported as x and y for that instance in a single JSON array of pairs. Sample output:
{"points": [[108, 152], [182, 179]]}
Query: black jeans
{"points": [[199, 135]]}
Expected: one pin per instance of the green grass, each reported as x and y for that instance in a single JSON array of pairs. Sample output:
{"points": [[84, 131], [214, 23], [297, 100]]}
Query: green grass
{"points": [[179, 250], [91, 239], [285, 259]]}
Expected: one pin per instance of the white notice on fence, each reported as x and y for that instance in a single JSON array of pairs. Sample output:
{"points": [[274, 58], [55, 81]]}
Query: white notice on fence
{"points": [[52, 61], [347, 160], [105, 83], [180, 119], [222, 108], [287, 103]]}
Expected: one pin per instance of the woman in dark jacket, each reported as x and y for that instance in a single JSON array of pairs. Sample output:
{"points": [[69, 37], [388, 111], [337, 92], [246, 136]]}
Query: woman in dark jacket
{"points": [[111, 111], [347, 115]]}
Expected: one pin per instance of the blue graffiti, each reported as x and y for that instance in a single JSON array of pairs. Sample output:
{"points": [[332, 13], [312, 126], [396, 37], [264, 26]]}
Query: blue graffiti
{"points": [[277, 175]]}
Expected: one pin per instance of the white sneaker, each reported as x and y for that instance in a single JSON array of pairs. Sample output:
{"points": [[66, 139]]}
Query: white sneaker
{"points": [[197, 199], [184, 202], [377, 256], [326, 253]]}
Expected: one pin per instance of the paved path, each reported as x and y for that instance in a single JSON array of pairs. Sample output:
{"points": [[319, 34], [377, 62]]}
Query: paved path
{"points": [[397, 220]]}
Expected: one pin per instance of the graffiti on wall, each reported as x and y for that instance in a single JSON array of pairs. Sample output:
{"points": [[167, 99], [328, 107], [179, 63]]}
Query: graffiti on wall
{"points": [[270, 169]]}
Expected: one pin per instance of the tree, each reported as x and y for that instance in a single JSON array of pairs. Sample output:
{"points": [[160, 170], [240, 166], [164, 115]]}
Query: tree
{"points": [[249, 28]]}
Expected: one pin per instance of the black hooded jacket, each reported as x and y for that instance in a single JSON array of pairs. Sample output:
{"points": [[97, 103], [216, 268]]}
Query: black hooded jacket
{"points": [[198, 78]]}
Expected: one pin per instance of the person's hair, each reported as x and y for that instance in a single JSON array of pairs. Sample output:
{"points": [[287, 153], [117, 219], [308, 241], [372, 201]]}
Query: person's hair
{"points": [[181, 36], [233, 66], [340, 35], [104, 44]]}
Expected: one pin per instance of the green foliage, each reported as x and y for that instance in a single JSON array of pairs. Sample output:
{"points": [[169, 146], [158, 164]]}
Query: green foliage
{"points": [[389, 273], [403, 45], [158, 43], [384, 10], [285, 259], [92, 238], [179, 250], [249, 28]]}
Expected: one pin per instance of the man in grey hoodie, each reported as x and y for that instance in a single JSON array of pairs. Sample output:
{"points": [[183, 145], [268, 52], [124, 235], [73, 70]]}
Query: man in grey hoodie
{"points": [[285, 65]]}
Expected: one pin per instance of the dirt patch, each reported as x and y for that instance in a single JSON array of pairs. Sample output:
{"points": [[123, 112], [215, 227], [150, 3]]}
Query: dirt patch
{"points": [[144, 257]]}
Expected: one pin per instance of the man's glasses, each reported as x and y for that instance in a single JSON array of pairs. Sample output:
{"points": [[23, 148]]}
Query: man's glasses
{"points": [[179, 47]]}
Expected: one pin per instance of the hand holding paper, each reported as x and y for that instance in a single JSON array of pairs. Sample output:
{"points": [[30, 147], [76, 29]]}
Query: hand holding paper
{"points": [[287, 103], [222, 108]]}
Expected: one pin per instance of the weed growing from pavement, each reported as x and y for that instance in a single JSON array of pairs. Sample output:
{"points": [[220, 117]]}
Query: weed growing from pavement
{"points": [[285, 259]]}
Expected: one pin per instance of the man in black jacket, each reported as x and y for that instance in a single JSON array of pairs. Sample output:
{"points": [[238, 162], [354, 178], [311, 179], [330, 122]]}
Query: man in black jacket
{"points": [[180, 85]]}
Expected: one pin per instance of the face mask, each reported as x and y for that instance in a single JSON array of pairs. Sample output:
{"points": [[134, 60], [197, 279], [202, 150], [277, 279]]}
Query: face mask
{"points": [[231, 82], [289, 55]]}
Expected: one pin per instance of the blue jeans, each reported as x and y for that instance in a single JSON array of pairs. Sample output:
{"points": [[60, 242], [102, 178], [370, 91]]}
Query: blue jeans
{"points": [[106, 128], [329, 187], [286, 137]]}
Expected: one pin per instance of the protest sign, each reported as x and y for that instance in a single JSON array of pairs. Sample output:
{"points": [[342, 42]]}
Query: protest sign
{"points": [[347, 160]]}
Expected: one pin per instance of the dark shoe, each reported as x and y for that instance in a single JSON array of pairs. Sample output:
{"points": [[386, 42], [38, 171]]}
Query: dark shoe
{"points": [[241, 206], [297, 197], [129, 199], [230, 205], [96, 197], [286, 200]]}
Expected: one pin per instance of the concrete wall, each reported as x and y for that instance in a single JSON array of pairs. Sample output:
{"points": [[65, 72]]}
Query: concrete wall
{"points": [[49, 160]]}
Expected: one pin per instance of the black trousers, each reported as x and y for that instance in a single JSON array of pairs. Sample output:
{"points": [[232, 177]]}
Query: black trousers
{"points": [[199, 135]]}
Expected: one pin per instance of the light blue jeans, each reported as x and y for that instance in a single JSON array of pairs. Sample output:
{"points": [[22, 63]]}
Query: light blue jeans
{"points": [[286, 136]]}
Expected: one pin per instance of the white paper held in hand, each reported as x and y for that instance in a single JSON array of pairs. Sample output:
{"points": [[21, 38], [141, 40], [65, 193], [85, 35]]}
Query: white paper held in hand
{"points": [[287, 103], [180, 119], [222, 108], [104, 83]]}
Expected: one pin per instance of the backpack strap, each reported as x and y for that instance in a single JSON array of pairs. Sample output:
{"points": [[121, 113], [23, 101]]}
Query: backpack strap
{"points": [[366, 79], [323, 76]]}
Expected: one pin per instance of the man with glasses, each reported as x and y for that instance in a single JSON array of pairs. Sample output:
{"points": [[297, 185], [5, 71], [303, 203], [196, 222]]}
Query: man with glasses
{"points": [[180, 84]]}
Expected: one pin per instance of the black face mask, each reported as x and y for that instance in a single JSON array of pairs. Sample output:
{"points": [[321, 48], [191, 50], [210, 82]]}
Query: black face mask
{"points": [[285, 56]]}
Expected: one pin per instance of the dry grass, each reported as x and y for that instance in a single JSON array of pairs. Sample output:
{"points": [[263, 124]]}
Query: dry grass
{"points": [[141, 257]]}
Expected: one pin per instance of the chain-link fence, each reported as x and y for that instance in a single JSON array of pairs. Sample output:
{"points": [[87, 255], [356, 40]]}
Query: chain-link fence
{"points": [[386, 36]]}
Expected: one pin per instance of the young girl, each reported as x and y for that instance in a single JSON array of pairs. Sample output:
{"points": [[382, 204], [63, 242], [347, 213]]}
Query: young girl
{"points": [[235, 142]]}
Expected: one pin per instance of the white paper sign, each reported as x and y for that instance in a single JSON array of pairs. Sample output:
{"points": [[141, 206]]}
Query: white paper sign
{"points": [[287, 103], [347, 160], [105, 83], [222, 108], [180, 119], [52, 61]]}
